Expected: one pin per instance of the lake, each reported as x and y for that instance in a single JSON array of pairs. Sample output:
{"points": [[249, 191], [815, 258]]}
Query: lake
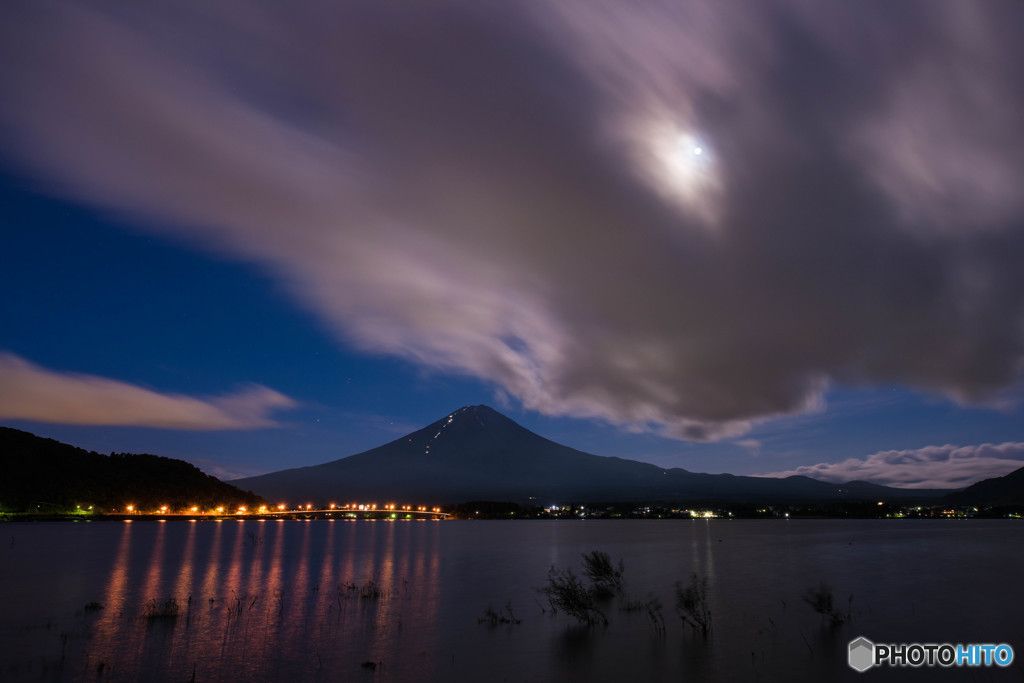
{"points": [[323, 600]]}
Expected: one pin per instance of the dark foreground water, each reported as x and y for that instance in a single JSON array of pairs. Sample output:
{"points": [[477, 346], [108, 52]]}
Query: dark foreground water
{"points": [[291, 600]]}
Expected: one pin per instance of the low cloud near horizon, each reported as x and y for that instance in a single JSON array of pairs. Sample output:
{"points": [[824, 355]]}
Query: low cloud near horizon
{"points": [[930, 467], [680, 217], [29, 392]]}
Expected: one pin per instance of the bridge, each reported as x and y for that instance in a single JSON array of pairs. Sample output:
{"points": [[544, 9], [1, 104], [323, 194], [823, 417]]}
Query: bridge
{"points": [[354, 511]]}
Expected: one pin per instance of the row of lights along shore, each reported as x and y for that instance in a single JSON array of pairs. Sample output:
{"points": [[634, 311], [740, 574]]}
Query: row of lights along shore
{"points": [[284, 508]]}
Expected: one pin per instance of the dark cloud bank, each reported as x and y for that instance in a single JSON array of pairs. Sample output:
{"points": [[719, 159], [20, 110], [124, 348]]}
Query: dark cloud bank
{"points": [[680, 217]]}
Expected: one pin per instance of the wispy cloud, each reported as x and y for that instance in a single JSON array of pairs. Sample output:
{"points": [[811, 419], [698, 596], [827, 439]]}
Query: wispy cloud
{"points": [[929, 467], [224, 472], [752, 446], [683, 217], [29, 392]]}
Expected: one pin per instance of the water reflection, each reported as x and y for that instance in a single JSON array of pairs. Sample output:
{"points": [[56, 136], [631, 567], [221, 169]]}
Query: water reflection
{"points": [[208, 592], [315, 600], [107, 628], [266, 600], [183, 586], [154, 571]]}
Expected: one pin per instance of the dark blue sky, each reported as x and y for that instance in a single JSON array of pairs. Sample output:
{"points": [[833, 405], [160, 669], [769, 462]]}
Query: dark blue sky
{"points": [[266, 244]]}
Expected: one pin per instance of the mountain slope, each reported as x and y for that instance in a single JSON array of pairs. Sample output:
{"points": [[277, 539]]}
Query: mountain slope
{"points": [[49, 476], [477, 453], [1005, 491]]}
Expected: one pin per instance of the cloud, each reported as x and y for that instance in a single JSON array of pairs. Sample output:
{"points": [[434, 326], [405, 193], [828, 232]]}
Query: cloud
{"points": [[224, 472], [514, 191], [929, 467], [752, 446], [29, 392]]}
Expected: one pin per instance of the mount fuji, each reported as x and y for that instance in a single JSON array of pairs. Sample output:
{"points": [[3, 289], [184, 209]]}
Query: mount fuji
{"points": [[476, 453]]}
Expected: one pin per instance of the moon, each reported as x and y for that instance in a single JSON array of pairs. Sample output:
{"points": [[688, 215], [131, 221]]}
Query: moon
{"points": [[680, 163]]}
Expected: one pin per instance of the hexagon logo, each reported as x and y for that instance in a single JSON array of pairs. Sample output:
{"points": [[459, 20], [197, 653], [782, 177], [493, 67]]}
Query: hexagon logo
{"points": [[862, 654]]}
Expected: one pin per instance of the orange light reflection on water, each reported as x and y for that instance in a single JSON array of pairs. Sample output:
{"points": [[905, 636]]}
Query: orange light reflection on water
{"points": [[268, 600]]}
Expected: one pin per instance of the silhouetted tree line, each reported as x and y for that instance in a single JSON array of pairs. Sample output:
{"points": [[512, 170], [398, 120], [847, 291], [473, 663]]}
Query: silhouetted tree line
{"points": [[49, 476]]}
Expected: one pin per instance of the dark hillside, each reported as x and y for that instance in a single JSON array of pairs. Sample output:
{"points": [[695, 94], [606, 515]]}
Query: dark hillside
{"points": [[49, 476]]}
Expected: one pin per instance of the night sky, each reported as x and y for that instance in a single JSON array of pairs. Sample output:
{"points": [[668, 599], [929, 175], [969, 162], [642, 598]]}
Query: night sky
{"points": [[748, 237]]}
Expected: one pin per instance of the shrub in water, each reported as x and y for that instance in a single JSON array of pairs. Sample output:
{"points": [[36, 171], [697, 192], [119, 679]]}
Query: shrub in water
{"points": [[820, 600], [567, 593], [605, 579], [692, 603], [168, 609]]}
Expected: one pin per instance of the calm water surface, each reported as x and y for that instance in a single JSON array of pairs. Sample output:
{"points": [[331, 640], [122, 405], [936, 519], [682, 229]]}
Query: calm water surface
{"points": [[292, 600]]}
